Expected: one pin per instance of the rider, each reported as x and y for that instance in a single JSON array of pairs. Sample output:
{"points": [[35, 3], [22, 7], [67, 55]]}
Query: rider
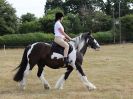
{"points": [[60, 36]]}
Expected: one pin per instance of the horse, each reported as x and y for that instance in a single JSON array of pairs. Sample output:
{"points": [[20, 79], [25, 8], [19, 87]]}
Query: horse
{"points": [[41, 54]]}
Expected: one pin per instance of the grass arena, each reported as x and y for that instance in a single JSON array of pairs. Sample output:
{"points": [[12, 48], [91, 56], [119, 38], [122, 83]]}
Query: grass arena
{"points": [[110, 69]]}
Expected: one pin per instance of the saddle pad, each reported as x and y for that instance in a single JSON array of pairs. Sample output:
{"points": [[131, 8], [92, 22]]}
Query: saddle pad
{"points": [[58, 49]]}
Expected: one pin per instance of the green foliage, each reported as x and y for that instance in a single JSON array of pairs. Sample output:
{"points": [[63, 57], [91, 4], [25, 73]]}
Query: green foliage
{"points": [[53, 4], [101, 22], [29, 23], [80, 7], [53, 11], [71, 6], [72, 24], [77, 27], [87, 23], [47, 22], [27, 27], [8, 19], [80, 16], [25, 39], [67, 25], [127, 27], [1, 41], [111, 5], [28, 17], [104, 37]]}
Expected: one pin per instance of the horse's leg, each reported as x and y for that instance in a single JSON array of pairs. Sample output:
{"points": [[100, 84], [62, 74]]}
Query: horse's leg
{"points": [[84, 79], [40, 75], [30, 60], [60, 82], [25, 74], [30, 64]]}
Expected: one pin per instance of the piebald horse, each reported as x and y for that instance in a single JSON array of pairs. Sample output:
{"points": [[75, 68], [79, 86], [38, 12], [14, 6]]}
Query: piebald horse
{"points": [[40, 53]]}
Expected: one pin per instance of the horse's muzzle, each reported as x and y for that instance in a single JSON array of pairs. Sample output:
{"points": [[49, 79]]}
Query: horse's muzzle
{"points": [[98, 48]]}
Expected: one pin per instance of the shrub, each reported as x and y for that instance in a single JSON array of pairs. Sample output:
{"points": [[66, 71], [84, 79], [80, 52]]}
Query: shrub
{"points": [[25, 39], [104, 37], [47, 24], [17, 40], [32, 26], [127, 27], [72, 24], [8, 19], [101, 22], [1, 41]]}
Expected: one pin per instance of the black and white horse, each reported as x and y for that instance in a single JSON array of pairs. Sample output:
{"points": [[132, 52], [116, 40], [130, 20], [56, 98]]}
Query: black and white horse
{"points": [[40, 53]]}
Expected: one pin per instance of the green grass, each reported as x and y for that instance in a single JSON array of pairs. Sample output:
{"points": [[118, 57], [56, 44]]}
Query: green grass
{"points": [[110, 69]]}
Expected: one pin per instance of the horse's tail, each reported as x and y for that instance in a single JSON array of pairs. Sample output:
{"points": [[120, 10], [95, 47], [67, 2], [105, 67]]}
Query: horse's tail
{"points": [[21, 68]]}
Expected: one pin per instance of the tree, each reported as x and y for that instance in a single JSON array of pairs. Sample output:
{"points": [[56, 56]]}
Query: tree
{"points": [[101, 22], [52, 4], [72, 24], [29, 23], [124, 8], [8, 19], [47, 22], [127, 27], [28, 27], [71, 6], [28, 17], [109, 5]]}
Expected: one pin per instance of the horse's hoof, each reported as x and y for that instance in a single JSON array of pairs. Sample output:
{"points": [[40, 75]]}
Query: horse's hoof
{"points": [[47, 87], [91, 88], [22, 87], [61, 88]]}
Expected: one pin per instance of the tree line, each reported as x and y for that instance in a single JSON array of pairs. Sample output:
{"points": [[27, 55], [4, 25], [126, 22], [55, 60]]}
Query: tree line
{"points": [[80, 16]]}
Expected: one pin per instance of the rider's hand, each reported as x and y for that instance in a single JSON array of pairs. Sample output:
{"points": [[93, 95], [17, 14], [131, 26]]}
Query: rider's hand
{"points": [[67, 40], [70, 39]]}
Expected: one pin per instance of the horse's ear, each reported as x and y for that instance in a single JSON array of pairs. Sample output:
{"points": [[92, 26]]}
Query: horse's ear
{"points": [[89, 33]]}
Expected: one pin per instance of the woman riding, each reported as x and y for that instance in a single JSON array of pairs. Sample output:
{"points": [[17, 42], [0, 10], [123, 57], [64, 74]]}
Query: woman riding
{"points": [[61, 37]]}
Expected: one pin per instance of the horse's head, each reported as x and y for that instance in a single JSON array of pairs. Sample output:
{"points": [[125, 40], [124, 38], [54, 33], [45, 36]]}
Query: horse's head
{"points": [[83, 41], [91, 41]]}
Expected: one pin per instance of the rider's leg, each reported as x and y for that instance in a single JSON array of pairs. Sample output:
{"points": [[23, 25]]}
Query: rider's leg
{"points": [[64, 44]]}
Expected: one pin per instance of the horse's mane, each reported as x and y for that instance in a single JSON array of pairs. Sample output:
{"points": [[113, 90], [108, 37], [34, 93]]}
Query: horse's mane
{"points": [[78, 39]]}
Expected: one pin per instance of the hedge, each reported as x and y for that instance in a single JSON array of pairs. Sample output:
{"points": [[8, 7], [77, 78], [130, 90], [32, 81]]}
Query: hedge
{"points": [[127, 27], [104, 37], [26, 39]]}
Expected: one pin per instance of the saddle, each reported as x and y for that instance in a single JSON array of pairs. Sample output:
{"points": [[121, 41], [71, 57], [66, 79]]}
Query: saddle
{"points": [[58, 49]]}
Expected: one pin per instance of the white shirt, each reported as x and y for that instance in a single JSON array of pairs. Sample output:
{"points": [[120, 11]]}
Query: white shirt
{"points": [[56, 29]]}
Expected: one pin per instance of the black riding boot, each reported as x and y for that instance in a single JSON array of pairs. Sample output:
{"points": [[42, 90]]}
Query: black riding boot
{"points": [[66, 61]]}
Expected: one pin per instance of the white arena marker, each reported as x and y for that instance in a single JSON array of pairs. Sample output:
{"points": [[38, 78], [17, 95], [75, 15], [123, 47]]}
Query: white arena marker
{"points": [[5, 49]]}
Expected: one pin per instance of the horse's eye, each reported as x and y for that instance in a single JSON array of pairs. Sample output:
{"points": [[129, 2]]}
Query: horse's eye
{"points": [[91, 38]]}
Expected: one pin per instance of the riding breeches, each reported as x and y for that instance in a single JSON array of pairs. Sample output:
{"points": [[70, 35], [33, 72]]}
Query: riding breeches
{"points": [[62, 43]]}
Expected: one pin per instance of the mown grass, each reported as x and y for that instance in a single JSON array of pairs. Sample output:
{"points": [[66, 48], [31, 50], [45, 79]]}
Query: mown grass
{"points": [[110, 69]]}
